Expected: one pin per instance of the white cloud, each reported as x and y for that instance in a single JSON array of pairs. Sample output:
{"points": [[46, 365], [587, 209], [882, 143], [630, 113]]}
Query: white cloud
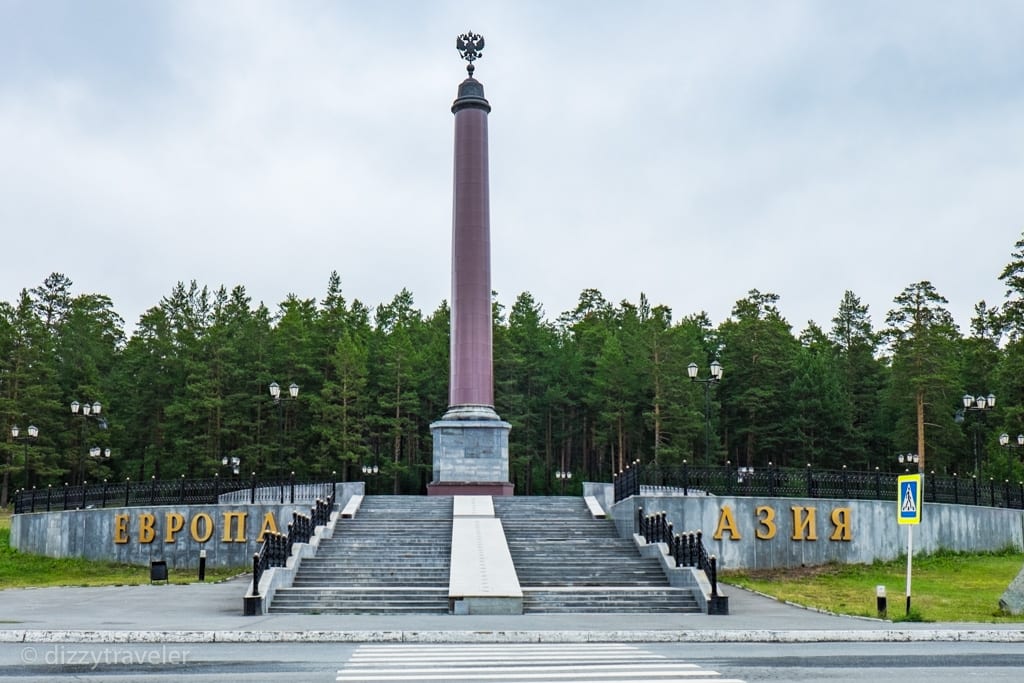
{"points": [[692, 151]]}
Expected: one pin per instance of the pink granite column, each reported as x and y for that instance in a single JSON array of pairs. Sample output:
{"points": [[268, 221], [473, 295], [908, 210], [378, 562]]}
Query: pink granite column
{"points": [[471, 381], [471, 330]]}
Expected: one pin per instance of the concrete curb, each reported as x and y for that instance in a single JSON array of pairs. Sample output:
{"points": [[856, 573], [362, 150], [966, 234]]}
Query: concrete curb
{"points": [[654, 636]]}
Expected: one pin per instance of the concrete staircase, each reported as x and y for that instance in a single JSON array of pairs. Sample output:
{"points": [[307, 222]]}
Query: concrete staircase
{"points": [[567, 561], [392, 558]]}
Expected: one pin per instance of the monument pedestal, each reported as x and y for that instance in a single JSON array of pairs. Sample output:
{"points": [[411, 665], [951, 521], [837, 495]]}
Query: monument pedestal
{"points": [[470, 453]]}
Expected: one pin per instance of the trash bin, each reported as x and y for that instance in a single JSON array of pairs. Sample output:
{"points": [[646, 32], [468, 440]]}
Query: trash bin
{"points": [[157, 570]]}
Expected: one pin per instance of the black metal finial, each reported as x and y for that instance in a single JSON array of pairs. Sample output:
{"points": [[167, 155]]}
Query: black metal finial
{"points": [[470, 46]]}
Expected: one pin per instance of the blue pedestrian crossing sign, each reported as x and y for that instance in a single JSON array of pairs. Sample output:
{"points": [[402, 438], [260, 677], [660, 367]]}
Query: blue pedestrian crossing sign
{"points": [[908, 503]]}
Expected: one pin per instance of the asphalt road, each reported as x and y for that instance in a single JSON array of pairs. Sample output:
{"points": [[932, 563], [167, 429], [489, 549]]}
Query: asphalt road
{"points": [[506, 663]]}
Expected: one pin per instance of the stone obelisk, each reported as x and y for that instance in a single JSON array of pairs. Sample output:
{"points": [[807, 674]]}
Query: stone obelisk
{"points": [[470, 440]]}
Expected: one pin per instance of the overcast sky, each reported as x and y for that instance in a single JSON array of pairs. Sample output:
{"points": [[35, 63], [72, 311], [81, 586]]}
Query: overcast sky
{"points": [[688, 150]]}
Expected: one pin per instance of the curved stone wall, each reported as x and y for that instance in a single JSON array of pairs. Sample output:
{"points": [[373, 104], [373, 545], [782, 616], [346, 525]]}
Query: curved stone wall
{"points": [[229, 533], [791, 532]]}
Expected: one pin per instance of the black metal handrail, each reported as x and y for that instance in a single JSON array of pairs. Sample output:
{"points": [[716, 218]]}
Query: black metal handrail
{"points": [[627, 482], [277, 548], [810, 483], [686, 549], [180, 491]]}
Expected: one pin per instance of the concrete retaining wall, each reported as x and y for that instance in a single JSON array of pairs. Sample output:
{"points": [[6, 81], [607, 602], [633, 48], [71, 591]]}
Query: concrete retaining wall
{"points": [[230, 534], [867, 530]]}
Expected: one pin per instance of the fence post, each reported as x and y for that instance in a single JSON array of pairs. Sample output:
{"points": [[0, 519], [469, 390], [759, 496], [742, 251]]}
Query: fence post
{"points": [[291, 482], [992, 491], [252, 490], [810, 482], [256, 574], [127, 483], [956, 489]]}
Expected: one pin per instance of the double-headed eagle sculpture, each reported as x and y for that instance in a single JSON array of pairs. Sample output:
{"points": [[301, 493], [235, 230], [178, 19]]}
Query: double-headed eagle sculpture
{"points": [[470, 45]]}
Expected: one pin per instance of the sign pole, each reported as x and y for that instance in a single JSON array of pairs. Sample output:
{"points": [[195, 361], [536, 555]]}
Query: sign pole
{"points": [[909, 497], [910, 559]]}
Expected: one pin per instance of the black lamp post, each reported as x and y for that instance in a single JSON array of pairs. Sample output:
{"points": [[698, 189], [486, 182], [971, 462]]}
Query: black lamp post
{"points": [[234, 461], [562, 476], [908, 459], [980, 404], [275, 395], [370, 471], [715, 378], [33, 434], [1004, 441], [87, 411]]}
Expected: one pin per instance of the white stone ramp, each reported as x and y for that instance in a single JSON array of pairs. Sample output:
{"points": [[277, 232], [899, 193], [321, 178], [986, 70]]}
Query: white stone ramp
{"points": [[482, 578], [472, 506], [595, 509]]}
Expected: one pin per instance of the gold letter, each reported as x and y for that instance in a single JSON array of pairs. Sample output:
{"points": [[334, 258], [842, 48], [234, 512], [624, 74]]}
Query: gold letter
{"points": [[726, 522], [207, 528], [146, 531], [175, 522], [804, 528], [268, 525], [841, 518], [121, 528], [239, 519], [766, 517]]}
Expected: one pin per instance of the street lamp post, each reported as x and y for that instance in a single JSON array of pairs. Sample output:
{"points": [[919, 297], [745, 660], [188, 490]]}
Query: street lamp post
{"points": [[87, 411], [275, 395], [562, 476], [715, 378], [981, 405], [1004, 441], [909, 459], [370, 471], [33, 434], [234, 461]]}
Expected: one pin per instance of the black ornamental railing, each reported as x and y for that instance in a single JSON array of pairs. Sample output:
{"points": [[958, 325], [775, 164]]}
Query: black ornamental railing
{"points": [[686, 549], [808, 482], [277, 548], [181, 491]]}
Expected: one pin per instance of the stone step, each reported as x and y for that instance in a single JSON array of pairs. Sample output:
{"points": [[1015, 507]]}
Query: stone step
{"points": [[660, 600], [418, 578], [393, 557]]}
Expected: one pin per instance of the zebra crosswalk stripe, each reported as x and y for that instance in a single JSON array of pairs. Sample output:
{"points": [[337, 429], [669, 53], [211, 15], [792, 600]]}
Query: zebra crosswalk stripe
{"points": [[508, 663]]}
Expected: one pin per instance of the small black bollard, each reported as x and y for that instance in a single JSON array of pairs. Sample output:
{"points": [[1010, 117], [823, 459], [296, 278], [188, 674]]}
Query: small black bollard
{"points": [[881, 601], [202, 564]]}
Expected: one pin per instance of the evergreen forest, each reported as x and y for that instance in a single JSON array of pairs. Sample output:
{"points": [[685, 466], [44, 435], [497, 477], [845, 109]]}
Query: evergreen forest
{"points": [[588, 392]]}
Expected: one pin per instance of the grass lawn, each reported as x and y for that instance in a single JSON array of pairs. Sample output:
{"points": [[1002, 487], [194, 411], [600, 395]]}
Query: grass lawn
{"points": [[945, 586], [21, 570]]}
